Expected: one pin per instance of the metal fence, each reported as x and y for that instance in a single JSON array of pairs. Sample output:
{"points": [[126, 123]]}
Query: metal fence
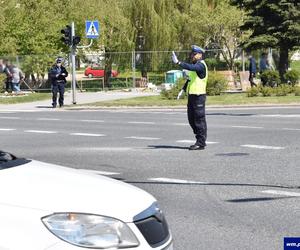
{"points": [[134, 68]]}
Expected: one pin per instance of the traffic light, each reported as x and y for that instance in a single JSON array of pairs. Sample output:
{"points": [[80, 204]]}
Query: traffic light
{"points": [[75, 40], [67, 38]]}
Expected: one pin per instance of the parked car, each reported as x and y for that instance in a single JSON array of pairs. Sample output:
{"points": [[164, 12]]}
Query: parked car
{"points": [[45, 206], [94, 71]]}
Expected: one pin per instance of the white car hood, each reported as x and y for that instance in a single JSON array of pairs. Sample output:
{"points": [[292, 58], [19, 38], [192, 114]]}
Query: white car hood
{"points": [[52, 188]]}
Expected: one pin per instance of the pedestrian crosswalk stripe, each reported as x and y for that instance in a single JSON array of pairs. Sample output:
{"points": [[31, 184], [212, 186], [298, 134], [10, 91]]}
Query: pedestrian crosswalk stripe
{"points": [[40, 131], [279, 192], [175, 181], [141, 138], [246, 127], [193, 141], [86, 134], [262, 147]]}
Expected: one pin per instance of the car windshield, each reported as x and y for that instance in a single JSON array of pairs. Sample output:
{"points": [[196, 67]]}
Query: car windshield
{"points": [[8, 160]]}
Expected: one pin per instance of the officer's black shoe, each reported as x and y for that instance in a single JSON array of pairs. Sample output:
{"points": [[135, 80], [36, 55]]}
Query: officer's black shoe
{"points": [[61, 105], [53, 106], [196, 147]]}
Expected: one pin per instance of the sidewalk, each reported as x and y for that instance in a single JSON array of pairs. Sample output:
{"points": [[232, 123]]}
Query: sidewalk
{"points": [[81, 99]]}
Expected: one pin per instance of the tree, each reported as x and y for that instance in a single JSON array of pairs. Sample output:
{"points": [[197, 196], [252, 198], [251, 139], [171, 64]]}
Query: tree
{"points": [[273, 24], [153, 29], [221, 26]]}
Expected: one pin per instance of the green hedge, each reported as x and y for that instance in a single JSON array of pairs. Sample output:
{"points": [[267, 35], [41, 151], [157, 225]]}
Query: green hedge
{"points": [[281, 90], [292, 77], [216, 83]]}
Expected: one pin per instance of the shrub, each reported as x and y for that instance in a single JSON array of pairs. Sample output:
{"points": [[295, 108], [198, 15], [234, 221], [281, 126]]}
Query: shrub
{"points": [[270, 77], [297, 91], [292, 77], [251, 92], [2, 82], [266, 91], [216, 83], [282, 90], [173, 92]]}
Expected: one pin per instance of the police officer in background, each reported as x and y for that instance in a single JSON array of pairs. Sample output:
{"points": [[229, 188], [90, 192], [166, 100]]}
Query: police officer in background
{"points": [[195, 87], [57, 76]]}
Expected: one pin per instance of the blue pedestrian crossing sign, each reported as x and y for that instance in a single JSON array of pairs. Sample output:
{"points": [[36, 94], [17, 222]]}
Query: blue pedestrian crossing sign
{"points": [[92, 29]]}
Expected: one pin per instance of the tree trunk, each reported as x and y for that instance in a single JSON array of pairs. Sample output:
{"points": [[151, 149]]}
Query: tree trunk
{"points": [[283, 61]]}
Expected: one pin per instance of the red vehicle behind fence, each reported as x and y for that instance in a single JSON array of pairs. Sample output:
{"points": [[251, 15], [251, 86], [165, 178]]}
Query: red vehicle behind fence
{"points": [[93, 71]]}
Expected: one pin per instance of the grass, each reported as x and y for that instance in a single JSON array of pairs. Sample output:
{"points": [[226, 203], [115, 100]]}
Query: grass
{"points": [[225, 99], [30, 97]]}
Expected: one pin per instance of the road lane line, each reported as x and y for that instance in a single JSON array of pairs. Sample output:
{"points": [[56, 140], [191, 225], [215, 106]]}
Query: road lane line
{"points": [[48, 119], [278, 192], [190, 141], [262, 147], [247, 127], [142, 138], [7, 129], [175, 181], [91, 120], [10, 118], [150, 123], [86, 134], [180, 124], [282, 115], [98, 172], [291, 129], [40, 131]]}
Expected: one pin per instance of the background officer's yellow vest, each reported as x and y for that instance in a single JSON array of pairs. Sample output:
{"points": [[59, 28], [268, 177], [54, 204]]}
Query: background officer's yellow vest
{"points": [[197, 86]]}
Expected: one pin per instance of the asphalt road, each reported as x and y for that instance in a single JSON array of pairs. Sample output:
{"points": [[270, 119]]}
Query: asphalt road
{"points": [[242, 192]]}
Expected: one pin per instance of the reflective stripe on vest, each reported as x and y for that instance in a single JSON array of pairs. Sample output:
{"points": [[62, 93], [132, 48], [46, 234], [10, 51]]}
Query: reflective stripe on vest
{"points": [[197, 86]]}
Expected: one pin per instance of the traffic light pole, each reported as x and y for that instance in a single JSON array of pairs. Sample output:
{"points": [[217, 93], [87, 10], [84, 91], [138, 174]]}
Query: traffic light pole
{"points": [[73, 54]]}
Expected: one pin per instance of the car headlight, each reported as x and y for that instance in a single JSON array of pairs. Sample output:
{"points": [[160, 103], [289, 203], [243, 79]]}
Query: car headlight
{"points": [[91, 231]]}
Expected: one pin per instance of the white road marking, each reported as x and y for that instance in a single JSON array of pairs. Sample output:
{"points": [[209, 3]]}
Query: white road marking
{"points": [[90, 149], [180, 124], [190, 141], [278, 192], [246, 127], [48, 119], [292, 129], [261, 147], [91, 120], [85, 134], [10, 118], [20, 110], [282, 116], [98, 172], [141, 123], [142, 138], [7, 129], [176, 181], [40, 131]]}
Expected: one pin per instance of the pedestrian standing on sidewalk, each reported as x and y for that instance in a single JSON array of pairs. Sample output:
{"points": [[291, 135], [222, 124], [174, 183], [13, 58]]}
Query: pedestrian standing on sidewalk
{"points": [[252, 71], [17, 76], [8, 81], [195, 87], [57, 76]]}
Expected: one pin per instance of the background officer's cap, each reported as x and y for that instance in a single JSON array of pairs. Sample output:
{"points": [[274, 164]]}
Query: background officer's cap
{"points": [[197, 49], [59, 60]]}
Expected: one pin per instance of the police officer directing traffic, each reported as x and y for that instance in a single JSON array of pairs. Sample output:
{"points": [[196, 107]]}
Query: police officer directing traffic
{"points": [[195, 88], [57, 75]]}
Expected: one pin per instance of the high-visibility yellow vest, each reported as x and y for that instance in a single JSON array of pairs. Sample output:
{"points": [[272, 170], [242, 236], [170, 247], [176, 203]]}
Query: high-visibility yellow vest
{"points": [[197, 86]]}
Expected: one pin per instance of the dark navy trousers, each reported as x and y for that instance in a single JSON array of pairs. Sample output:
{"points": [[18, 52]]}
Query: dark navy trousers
{"points": [[58, 88], [196, 117]]}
